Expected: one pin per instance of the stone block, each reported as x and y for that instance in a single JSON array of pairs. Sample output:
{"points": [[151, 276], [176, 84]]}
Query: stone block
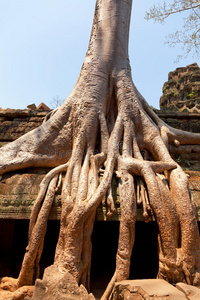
{"points": [[58, 284], [146, 289], [32, 106], [191, 292]]}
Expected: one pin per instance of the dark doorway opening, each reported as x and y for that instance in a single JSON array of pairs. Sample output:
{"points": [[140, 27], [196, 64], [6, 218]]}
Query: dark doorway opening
{"points": [[144, 262], [14, 240], [104, 248]]}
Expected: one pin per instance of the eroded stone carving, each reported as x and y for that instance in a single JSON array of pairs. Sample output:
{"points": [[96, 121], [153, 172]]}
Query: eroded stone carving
{"points": [[182, 90]]}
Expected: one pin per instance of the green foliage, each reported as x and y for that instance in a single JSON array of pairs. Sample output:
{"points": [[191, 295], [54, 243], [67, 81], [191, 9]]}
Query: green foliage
{"points": [[180, 160], [191, 95], [164, 88], [189, 36]]}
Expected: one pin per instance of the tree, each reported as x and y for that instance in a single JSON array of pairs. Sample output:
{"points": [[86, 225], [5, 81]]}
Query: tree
{"points": [[56, 102], [84, 135], [189, 36]]}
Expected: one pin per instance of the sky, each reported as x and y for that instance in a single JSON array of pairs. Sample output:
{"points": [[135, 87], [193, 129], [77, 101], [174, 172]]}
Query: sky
{"points": [[43, 44]]}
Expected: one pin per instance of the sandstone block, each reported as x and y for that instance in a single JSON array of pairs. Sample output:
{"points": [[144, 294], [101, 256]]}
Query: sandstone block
{"points": [[59, 285], [147, 289], [191, 292]]}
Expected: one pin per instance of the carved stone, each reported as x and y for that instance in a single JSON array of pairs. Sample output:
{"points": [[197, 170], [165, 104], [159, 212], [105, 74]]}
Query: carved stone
{"points": [[182, 90]]}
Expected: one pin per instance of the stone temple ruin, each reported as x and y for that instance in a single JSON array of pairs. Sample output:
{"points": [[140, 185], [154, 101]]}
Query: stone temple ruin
{"points": [[181, 93], [180, 108]]}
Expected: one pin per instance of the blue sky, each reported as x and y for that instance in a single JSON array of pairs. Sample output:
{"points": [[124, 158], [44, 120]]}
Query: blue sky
{"points": [[43, 44]]}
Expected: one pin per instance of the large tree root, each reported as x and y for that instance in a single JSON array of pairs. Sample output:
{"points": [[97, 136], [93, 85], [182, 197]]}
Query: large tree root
{"points": [[106, 125]]}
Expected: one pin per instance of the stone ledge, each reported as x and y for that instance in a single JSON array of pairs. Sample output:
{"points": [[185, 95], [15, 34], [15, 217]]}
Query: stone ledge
{"points": [[153, 289], [177, 115], [191, 292], [14, 113]]}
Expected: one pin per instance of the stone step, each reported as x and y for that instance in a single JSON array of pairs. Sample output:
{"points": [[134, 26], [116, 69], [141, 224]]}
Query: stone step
{"points": [[154, 289]]}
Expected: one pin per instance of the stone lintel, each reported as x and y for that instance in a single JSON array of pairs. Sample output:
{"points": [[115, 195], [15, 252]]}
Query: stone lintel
{"points": [[18, 191]]}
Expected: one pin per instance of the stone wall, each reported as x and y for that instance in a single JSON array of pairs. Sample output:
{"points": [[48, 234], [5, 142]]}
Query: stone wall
{"points": [[16, 122], [187, 155], [18, 190], [182, 90]]}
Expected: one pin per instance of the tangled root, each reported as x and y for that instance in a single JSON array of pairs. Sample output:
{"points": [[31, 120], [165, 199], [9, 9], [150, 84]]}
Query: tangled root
{"points": [[132, 142], [107, 125]]}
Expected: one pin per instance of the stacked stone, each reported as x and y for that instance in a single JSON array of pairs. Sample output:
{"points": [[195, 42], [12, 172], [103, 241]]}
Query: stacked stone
{"points": [[181, 93], [16, 122]]}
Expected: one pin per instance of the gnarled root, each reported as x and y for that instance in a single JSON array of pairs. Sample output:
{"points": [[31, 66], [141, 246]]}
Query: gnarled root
{"points": [[162, 188], [74, 245], [29, 270], [159, 184]]}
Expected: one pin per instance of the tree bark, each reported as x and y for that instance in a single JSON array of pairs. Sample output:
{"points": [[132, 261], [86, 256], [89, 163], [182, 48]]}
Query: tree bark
{"points": [[104, 111]]}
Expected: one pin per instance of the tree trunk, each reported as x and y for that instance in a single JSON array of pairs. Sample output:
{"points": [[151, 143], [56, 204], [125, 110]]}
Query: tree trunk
{"points": [[103, 112]]}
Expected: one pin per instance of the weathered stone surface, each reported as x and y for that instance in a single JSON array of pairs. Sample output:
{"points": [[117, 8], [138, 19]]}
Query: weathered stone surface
{"points": [[146, 289], [9, 291], [43, 106], [184, 121], [18, 192], [23, 293], [191, 292], [194, 180], [182, 90], [32, 106], [59, 285], [16, 122]]}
